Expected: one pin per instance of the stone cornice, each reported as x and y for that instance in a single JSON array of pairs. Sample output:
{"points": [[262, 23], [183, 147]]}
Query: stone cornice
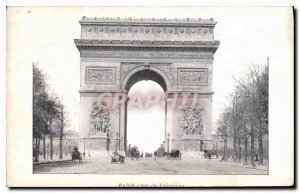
{"points": [[171, 93], [148, 21], [101, 91], [81, 43]]}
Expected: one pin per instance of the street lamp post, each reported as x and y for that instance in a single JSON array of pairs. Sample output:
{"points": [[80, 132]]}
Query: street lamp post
{"points": [[121, 142], [126, 147], [107, 142], [168, 142], [117, 140], [84, 147], [84, 144]]}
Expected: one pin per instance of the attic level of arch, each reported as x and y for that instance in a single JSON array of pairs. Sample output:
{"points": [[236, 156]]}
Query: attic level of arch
{"points": [[99, 28]]}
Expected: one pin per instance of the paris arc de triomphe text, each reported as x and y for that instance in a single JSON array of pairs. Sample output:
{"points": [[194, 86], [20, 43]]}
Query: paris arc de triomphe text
{"points": [[116, 53]]}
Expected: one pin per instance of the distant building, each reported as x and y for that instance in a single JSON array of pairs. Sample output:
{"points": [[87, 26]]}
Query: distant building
{"points": [[70, 140]]}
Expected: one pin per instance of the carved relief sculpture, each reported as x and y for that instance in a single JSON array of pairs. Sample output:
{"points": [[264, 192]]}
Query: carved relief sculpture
{"points": [[166, 68], [192, 121], [192, 76], [99, 119], [100, 75], [127, 67]]}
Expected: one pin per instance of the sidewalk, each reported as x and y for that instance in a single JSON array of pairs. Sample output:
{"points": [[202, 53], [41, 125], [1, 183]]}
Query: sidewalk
{"points": [[257, 167], [42, 161]]}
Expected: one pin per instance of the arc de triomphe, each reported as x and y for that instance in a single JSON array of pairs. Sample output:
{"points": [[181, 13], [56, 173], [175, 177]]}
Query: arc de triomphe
{"points": [[116, 53]]}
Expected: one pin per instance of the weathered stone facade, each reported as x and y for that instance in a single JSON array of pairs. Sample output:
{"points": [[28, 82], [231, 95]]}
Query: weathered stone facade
{"points": [[117, 53]]}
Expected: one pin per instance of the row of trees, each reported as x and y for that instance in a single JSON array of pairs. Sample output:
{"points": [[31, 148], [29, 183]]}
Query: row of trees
{"points": [[245, 119], [49, 116]]}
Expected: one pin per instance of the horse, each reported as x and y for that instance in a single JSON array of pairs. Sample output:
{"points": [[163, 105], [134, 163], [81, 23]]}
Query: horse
{"points": [[137, 155], [175, 154], [76, 155], [209, 153], [134, 153]]}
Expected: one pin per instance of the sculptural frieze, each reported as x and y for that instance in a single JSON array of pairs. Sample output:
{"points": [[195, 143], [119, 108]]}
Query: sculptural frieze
{"points": [[99, 119], [132, 28], [191, 123], [144, 30], [146, 52]]}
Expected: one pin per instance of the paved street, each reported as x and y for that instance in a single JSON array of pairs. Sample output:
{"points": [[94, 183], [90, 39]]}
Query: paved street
{"points": [[149, 166]]}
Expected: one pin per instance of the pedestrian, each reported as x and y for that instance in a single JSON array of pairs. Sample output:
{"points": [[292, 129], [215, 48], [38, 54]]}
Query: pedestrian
{"points": [[83, 155], [155, 154]]}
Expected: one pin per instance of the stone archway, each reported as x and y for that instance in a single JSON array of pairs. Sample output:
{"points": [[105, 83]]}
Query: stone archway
{"points": [[144, 72], [116, 53]]}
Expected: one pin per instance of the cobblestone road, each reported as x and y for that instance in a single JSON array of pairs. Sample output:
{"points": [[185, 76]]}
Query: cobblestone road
{"points": [[149, 166]]}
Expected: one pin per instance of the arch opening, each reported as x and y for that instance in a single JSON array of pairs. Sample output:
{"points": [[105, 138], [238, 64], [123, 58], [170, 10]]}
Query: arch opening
{"points": [[146, 74], [152, 120], [145, 127]]}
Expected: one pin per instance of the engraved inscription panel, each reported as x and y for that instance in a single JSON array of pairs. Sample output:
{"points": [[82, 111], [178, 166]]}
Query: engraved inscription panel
{"points": [[100, 75], [192, 76]]}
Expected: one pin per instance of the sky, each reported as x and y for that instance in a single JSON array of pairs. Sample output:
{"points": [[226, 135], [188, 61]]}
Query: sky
{"points": [[45, 35], [150, 127]]}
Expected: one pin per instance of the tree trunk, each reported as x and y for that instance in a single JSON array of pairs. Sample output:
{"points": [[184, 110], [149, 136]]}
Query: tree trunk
{"points": [[51, 147], [226, 148], [252, 146], [38, 149], [246, 150], [260, 146], [240, 150], [234, 145], [60, 148], [61, 133], [35, 151], [224, 151], [44, 147]]}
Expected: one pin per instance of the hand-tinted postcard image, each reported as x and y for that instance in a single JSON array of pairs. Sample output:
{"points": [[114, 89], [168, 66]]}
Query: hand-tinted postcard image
{"points": [[150, 96]]}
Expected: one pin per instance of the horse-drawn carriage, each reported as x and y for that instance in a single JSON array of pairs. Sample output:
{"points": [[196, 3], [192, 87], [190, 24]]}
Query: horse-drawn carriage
{"points": [[117, 158], [209, 153], [174, 154], [76, 155], [134, 153]]}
